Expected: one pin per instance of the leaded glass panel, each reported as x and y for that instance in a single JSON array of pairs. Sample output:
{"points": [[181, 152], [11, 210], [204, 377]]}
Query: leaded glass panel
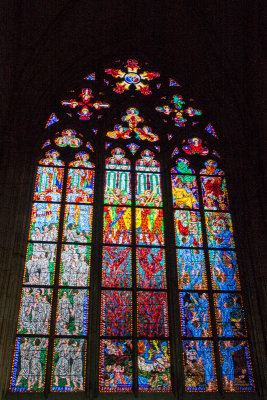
{"points": [[154, 234]]}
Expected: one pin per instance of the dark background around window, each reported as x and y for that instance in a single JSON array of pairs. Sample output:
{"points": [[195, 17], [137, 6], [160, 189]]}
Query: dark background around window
{"points": [[214, 48]]}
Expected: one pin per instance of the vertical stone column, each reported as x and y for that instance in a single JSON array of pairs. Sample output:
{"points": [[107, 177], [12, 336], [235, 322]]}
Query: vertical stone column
{"points": [[16, 177]]}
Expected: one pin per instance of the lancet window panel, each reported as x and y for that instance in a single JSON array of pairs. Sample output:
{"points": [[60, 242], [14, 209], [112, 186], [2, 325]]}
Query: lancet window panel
{"points": [[139, 309], [227, 299], [212, 307], [55, 293]]}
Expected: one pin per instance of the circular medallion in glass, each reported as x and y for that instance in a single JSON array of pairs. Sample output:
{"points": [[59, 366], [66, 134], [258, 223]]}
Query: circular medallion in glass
{"points": [[132, 77]]}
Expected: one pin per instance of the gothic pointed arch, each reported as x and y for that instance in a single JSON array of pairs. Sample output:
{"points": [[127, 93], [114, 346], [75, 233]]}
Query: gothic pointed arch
{"points": [[131, 275]]}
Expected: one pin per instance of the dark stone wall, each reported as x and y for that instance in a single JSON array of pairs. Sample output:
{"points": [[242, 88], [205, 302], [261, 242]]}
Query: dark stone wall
{"points": [[215, 48]]}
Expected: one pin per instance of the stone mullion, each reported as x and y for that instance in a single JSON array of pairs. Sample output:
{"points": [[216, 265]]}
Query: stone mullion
{"points": [[172, 281], [93, 336], [15, 171]]}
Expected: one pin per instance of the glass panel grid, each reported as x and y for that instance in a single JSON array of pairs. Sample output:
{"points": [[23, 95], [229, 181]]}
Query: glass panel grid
{"points": [[116, 346], [75, 265], [236, 366], [152, 314], [41, 266], [29, 366], [134, 309], [230, 323], [188, 231], [44, 222], [148, 273], [195, 319], [70, 344], [151, 269]]}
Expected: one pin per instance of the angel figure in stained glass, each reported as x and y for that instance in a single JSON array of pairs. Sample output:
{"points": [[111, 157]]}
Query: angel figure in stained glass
{"points": [[132, 117], [53, 195], [179, 111], [146, 133], [52, 158], [119, 132], [77, 177], [68, 138], [211, 168], [44, 177], [85, 104]]}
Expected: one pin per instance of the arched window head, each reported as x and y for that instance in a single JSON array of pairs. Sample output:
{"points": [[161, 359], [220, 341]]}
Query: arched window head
{"points": [[131, 278]]}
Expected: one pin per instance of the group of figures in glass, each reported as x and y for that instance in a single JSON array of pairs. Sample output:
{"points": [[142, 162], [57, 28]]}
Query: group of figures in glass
{"points": [[116, 355], [193, 275], [29, 367], [116, 368], [134, 320]]}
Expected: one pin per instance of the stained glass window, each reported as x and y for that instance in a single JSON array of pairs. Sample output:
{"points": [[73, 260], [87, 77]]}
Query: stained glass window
{"points": [[56, 275], [134, 299], [207, 268], [131, 258]]}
